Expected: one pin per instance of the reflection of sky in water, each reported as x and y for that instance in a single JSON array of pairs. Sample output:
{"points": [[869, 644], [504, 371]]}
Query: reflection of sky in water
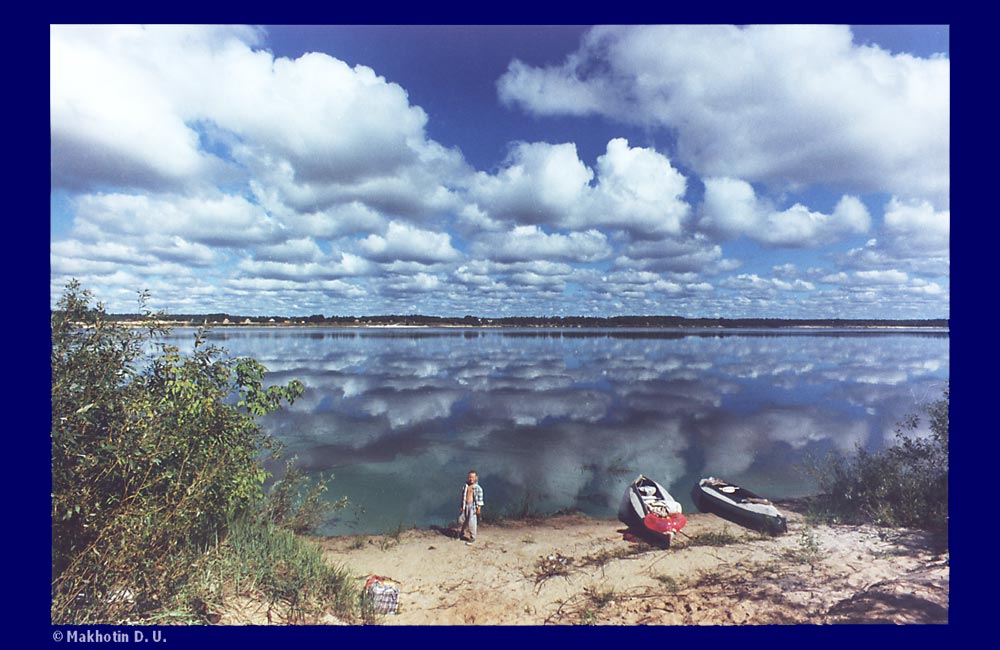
{"points": [[565, 419]]}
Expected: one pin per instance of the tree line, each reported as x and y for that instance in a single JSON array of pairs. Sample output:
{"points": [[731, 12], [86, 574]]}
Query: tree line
{"points": [[636, 321]]}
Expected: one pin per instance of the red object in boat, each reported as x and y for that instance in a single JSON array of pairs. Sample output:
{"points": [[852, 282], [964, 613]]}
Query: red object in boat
{"points": [[665, 524]]}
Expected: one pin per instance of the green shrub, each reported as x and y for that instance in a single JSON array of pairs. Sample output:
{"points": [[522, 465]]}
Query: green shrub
{"points": [[154, 453], [902, 485]]}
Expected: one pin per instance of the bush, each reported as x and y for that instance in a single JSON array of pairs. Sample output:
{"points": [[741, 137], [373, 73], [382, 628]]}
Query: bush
{"points": [[903, 485], [153, 454]]}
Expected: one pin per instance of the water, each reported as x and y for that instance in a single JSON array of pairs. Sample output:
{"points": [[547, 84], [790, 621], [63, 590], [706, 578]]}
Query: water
{"points": [[565, 419]]}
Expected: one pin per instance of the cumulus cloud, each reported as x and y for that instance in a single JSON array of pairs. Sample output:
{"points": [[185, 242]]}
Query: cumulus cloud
{"points": [[166, 106], [304, 249], [916, 226], [347, 266], [112, 120], [540, 183], [790, 105], [526, 243], [273, 183], [751, 282], [218, 220], [254, 286], [913, 236], [731, 208], [640, 281], [634, 189], [694, 254], [150, 254], [406, 243], [418, 283]]}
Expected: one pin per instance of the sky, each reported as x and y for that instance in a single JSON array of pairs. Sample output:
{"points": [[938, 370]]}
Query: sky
{"points": [[786, 171]]}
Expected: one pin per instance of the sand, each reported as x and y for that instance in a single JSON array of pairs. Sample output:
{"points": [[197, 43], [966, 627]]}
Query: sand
{"points": [[571, 569]]}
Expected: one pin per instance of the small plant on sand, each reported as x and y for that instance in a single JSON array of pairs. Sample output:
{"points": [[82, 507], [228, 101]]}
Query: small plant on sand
{"points": [[601, 597], [391, 538], [714, 538], [670, 584], [605, 555], [809, 550], [550, 566]]}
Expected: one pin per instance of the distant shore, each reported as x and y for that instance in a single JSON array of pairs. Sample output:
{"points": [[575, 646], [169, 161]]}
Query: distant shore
{"points": [[568, 324]]}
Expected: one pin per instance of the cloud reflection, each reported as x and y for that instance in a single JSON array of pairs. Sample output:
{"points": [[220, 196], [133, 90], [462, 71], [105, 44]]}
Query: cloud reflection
{"points": [[567, 421]]}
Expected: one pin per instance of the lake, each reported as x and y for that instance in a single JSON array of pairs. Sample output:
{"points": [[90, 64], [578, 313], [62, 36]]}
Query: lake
{"points": [[560, 419]]}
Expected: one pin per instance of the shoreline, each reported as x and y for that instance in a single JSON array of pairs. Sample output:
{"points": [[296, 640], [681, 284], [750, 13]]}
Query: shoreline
{"points": [[570, 569]]}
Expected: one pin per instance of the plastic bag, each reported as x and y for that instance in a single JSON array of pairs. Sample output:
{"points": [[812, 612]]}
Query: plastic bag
{"points": [[382, 594]]}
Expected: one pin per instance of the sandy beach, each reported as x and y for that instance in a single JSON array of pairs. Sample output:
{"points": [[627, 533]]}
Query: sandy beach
{"points": [[571, 570]]}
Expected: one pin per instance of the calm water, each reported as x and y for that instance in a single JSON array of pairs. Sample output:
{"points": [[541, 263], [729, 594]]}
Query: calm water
{"points": [[560, 419]]}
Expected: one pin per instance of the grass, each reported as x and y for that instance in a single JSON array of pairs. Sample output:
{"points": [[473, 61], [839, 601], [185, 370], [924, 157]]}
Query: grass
{"points": [[597, 599], [670, 584], [601, 597], [714, 538], [391, 538], [261, 561], [604, 556]]}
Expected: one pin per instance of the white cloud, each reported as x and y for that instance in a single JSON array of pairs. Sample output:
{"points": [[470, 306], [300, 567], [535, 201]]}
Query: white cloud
{"points": [[638, 190], [753, 283], [634, 189], [406, 243], [251, 286], [219, 220], [913, 236], [147, 254], [882, 277], [527, 243], [917, 227], [888, 286], [113, 252], [790, 105], [291, 251], [170, 107], [694, 254], [419, 282], [111, 117], [348, 266], [731, 208], [190, 155], [641, 281], [546, 93], [540, 183]]}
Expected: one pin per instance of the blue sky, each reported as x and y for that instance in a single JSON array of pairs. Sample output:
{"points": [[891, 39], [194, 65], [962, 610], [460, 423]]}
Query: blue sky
{"points": [[702, 171]]}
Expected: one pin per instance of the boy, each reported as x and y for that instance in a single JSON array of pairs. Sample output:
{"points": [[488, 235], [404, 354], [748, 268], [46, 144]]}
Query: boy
{"points": [[472, 502]]}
